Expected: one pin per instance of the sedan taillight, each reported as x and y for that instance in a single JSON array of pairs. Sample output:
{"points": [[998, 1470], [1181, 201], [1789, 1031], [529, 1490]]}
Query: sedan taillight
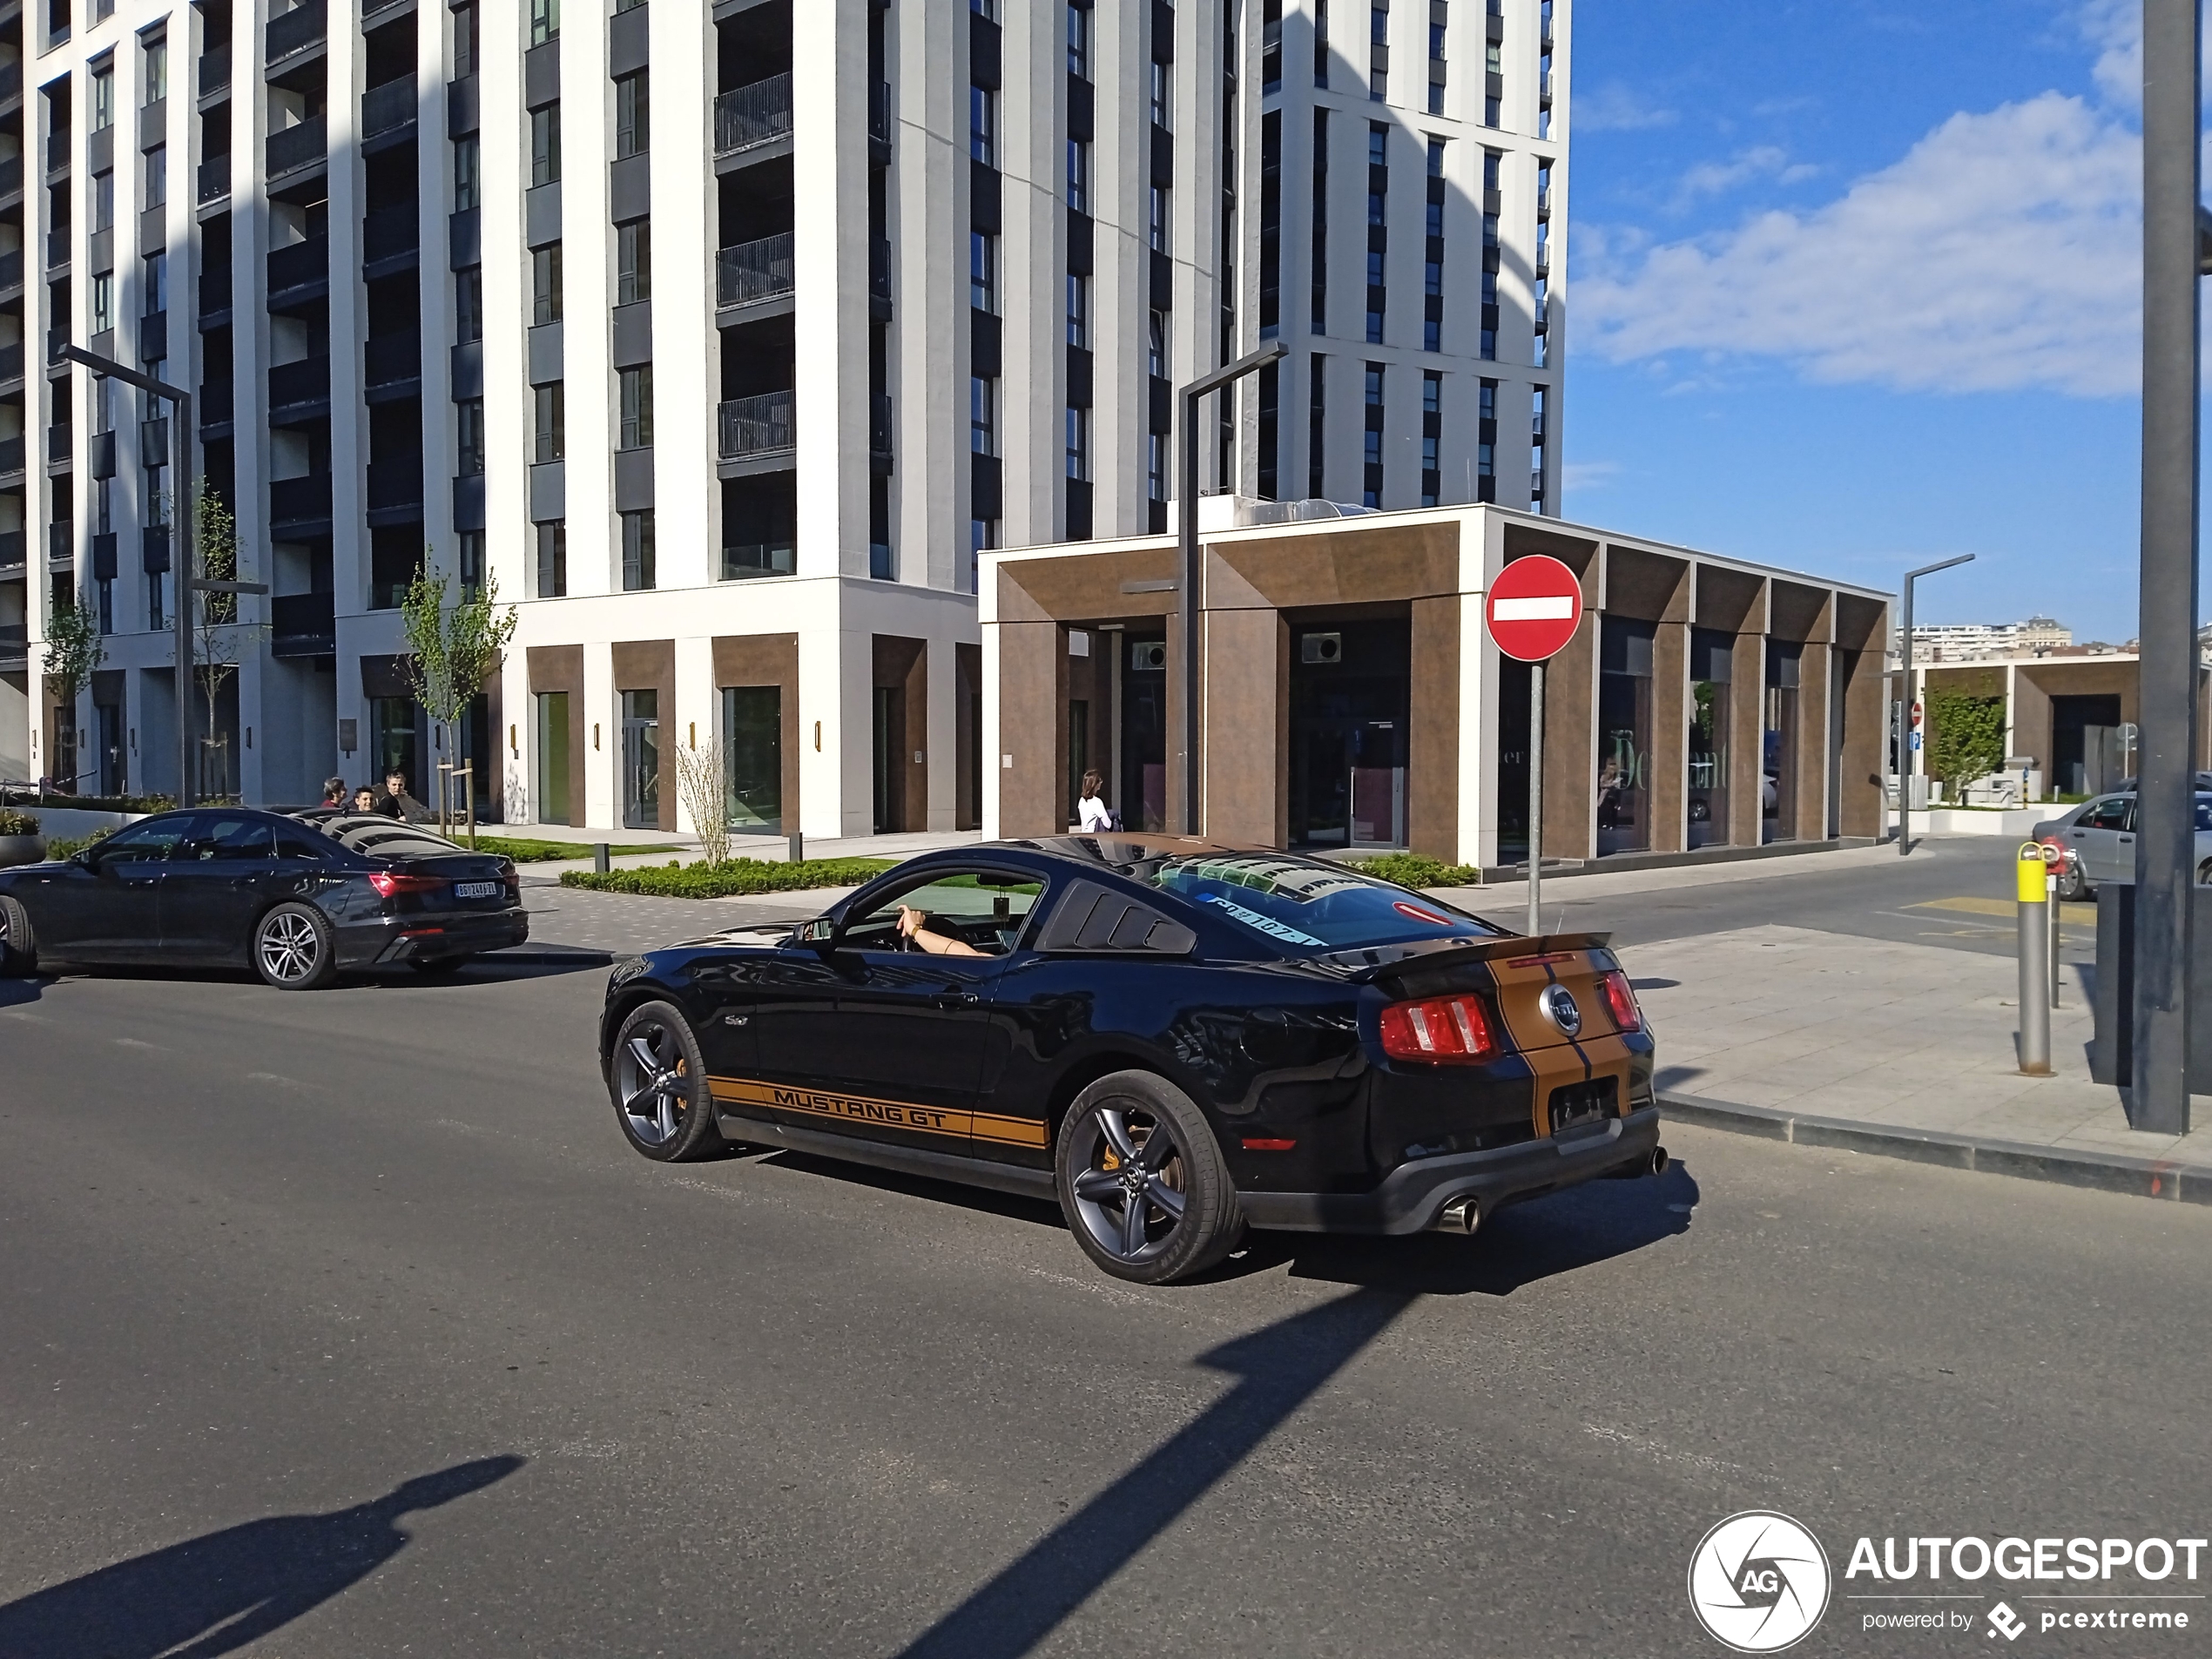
{"points": [[1621, 997], [1439, 1031], [389, 885]]}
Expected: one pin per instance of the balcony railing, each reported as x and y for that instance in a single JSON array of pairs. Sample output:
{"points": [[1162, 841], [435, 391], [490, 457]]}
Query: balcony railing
{"points": [[215, 398], [214, 291], [15, 643], [753, 271], [57, 248], [880, 112], [758, 558], [295, 147], [59, 445], [753, 426], [11, 361], [299, 264], [305, 380], [61, 541], [11, 269], [391, 232], [12, 454], [14, 550], [303, 624], [295, 30], [10, 175], [384, 108], [294, 501], [753, 115], [214, 179], [392, 359], [10, 80], [215, 69], [395, 483]]}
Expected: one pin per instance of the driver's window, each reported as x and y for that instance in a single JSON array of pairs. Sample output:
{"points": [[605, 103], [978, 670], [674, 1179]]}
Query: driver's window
{"points": [[142, 843], [2110, 814], [215, 836], [983, 909]]}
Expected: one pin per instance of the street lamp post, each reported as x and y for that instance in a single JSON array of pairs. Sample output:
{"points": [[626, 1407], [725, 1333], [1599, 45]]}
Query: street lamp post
{"points": [[2175, 244], [182, 558], [1187, 488], [1904, 723]]}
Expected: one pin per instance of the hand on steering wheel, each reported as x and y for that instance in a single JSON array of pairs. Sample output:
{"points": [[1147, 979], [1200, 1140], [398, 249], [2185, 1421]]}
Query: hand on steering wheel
{"points": [[911, 921]]}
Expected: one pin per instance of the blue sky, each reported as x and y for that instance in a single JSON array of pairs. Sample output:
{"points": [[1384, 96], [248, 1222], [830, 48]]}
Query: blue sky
{"points": [[1854, 287]]}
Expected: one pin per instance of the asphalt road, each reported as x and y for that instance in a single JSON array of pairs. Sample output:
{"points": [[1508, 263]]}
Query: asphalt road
{"points": [[345, 1323]]}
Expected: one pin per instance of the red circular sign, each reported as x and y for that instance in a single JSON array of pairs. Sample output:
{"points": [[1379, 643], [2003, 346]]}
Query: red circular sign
{"points": [[1534, 608]]}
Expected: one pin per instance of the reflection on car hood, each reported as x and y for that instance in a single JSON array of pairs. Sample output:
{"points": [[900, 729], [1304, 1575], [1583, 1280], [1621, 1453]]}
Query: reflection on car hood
{"points": [[1367, 961], [746, 936]]}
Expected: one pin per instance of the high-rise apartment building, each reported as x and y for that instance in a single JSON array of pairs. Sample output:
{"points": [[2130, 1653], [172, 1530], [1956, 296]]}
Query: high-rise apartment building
{"points": [[722, 337]]}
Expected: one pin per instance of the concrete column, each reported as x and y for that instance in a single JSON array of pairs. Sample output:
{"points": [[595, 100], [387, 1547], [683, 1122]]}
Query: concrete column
{"points": [[1021, 736], [1433, 746], [1247, 704]]}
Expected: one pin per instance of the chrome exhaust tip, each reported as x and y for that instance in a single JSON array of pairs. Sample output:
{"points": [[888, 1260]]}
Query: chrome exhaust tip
{"points": [[1659, 1160], [1461, 1216]]}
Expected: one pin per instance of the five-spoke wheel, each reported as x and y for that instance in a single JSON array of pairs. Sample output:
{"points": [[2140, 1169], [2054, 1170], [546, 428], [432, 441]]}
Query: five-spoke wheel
{"points": [[658, 1083], [1141, 1180]]}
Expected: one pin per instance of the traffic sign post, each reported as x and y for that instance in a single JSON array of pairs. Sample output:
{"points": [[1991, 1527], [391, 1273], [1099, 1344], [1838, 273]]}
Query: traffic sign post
{"points": [[1534, 608]]}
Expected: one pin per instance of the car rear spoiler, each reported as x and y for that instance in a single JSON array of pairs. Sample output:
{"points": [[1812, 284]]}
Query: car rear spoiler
{"points": [[1359, 967]]}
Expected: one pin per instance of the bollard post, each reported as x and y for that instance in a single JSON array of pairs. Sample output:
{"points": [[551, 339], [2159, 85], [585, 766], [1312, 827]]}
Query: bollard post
{"points": [[599, 858], [2034, 965], [2051, 901], [799, 849]]}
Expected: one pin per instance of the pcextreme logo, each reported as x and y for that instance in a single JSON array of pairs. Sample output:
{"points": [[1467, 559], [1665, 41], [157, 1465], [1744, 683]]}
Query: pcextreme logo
{"points": [[1758, 1581]]}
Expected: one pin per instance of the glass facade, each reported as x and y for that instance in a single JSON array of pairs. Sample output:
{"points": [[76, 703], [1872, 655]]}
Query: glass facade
{"points": [[752, 762], [1624, 736], [1712, 657], [641, 759]]}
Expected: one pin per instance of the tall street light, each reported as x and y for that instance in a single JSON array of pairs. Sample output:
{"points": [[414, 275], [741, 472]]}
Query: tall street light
{"points": [[2174, 237], [1187, 488], [1904, 706], [183, 558]]}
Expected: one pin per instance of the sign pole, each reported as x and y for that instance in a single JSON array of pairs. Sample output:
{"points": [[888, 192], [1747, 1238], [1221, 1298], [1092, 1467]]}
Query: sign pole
{"points": [[1535, 800]]}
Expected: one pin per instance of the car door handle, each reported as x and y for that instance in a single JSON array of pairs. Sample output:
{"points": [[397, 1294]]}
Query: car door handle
{"points": [[951, 998], [2127, 840]]}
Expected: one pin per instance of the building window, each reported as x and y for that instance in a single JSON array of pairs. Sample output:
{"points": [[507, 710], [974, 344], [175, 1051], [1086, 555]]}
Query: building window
{"points": [[468, 304], [633, 262], [104, 97], [633, 118], [545, 285], [154, 283], [107, 606], [1316, 408], [1079, 175], [1156, 348], [1079, 40], [982, 415], [155, 502], [553, 559], [157, 54], [1078, 310], [1436, 22], [545, 21], [637, 392], [103, 302], [1078, 444], [1156, 449], [467, 187], [1163, 96], [103, 201], [1432, 437], [637, 551], [465, 38], [469, 423], [1371, 485], [157, 176], [1321, 44], [1320, 221], [983, 271], [157, 600], [550, 422], [469, 547], [1161, 216], [545, 145], [983, 125], [1536, 449]]}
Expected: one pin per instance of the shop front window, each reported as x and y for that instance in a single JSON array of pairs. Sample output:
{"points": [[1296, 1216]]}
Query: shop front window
{"points": [[641, 759], [1779, 785], [753, 723], [1711, 667], [1624, 736]]}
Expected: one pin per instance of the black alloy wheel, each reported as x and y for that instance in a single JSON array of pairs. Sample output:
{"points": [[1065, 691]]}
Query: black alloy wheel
{"points": [[659, 1086], [293, 950], [1142, 1181], [18, 944]]}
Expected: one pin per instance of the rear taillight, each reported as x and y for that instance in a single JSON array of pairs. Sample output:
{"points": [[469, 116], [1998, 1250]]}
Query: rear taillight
{"points": [[1621, 997], [389, 885], [1439, 1031]]}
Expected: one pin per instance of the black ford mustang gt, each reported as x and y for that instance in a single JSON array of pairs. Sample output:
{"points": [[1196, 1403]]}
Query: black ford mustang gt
{"points": [[1175, 1041], [301, 896]]}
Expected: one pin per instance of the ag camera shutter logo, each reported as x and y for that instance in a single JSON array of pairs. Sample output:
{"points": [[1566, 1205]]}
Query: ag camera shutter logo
{"points": [[1758, 1581]]}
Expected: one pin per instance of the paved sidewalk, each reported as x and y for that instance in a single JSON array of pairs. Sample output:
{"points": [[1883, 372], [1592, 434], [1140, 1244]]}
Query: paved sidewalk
{"points": [[1788, 1025], [622, 924]]}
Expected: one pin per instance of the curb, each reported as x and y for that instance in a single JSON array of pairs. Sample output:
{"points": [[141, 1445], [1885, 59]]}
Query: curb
{"points": [[553, 955], [2107, 1173]]}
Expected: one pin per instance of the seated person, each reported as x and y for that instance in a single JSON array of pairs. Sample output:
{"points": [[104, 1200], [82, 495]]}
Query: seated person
{"points": [[915, 926]]}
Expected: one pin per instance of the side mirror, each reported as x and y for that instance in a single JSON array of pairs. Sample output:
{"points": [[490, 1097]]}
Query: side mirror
{"points": [[818, 935]]}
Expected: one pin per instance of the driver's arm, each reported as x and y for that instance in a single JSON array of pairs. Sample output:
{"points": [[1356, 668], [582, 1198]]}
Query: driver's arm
{"points": [[936, 944]]}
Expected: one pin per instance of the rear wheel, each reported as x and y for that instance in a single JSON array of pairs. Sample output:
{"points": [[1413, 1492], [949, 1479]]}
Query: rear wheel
{"points": [[293, 949], [658, 1083], [1142, 1181], [2071, 887], [2204, 873], [18, 944]]}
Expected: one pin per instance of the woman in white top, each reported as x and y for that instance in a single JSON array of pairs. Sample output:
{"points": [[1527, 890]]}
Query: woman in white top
{"points": [[1095, 816]]}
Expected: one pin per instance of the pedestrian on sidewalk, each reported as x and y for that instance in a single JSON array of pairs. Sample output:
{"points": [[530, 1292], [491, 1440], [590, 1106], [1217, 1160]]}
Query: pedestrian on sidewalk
{"points": [[1092, 812]]}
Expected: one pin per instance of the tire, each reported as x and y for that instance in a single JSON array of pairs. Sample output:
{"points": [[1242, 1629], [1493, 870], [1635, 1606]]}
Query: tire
{"points": [[1149, 1220], [441, 967], [18, 944], [656, 1081], [2073, 889], [2204, 873], [293, 949]]}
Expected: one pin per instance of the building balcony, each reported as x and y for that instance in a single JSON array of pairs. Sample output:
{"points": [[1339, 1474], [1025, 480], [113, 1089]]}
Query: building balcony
{"points": [[214, 179], [300, 390], [388, 108], [103, 554], [753, 272], [302, 265], [392, 361], [60, 446], [303, 624], [13, 551], [15, 644], [11, 362], [396, 487], [391, 233], [215, 402], [753, 115], [215, 69], [61, 541], [752, 428], [214, 293], [57, 248], [296, 502], [10, 81], [10, 176], [13, 454], [289, 33], [758, 559], [294, 148], [10, 270]]}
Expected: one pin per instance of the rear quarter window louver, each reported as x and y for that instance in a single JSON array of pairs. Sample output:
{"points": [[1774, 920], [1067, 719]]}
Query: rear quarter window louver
{"points": [[1092, 918]]}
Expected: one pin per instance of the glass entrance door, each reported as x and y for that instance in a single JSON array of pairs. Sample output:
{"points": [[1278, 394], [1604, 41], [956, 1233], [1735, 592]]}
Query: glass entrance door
{"points": [[1624, 736], [1349, 689], [1711, 669], [753, 738], [641, 759], [552, 709], [1778, 796]]}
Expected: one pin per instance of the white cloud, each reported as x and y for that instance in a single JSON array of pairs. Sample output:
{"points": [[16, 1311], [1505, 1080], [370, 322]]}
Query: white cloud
{"points": [[2003, 251], [1615, 108], [1718, 178], [1588, 475]]}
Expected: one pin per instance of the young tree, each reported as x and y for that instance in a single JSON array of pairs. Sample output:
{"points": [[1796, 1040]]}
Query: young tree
{"points": [[1966, 733], [701, 778], [220, 637], [73, 651], [453, 651]]}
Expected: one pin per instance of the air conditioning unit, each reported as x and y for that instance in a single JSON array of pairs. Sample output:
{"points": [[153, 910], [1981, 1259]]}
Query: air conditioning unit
{"points": [[1148, 656], [1321, 648]]}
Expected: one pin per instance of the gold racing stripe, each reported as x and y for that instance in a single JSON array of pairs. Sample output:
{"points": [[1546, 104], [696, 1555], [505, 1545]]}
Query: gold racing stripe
{"points": [[890, 1114]]}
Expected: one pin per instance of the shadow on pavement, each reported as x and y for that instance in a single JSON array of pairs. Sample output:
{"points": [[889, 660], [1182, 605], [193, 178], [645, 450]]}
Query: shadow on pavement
{"points": [[14, 992], [1278, 1369], [215, 1594]]}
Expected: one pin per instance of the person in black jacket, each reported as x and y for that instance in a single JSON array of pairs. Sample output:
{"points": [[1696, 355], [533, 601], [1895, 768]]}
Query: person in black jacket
{"points": [[395, 802]]}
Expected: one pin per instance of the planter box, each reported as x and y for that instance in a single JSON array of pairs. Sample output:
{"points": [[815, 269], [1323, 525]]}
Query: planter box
{"points": [[2018, 822], [21, 849]]}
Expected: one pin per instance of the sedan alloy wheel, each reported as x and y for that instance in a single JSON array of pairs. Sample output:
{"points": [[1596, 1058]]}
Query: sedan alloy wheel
{"points": [[292, 948]]}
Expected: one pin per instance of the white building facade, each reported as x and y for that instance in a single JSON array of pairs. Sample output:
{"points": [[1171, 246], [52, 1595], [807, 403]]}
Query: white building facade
{"points": [[657, 317]]}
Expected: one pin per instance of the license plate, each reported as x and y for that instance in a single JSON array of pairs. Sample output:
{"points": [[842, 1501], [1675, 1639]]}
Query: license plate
{"points": [[1577, 1104], [475, 889]]}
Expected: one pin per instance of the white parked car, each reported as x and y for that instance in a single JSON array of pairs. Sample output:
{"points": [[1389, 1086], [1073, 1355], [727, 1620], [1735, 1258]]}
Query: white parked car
{"points": [[2098, 840]]}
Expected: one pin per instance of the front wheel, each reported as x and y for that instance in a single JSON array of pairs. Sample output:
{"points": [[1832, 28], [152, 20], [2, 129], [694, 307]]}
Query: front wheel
{"points": [[658, 1083], [1142, 1181], [292, 948], [18, 944]]}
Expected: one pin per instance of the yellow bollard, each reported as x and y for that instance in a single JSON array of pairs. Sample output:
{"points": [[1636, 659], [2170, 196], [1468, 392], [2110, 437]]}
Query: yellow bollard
{"points": [[2031, 875]]}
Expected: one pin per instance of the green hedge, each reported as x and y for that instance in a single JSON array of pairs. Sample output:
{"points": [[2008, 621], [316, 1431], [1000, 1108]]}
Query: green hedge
{"points": [[730, 879], [528, 851], [1414, 870], [15, 823]]}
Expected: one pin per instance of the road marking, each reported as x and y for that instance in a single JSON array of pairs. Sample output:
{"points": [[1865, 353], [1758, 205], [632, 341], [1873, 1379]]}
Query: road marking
{"points": [[2073, 916]]}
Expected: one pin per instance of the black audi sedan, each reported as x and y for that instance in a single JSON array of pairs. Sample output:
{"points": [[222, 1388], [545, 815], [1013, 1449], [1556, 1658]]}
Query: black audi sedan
{"points": [[300, 897], [1174, 1041]]}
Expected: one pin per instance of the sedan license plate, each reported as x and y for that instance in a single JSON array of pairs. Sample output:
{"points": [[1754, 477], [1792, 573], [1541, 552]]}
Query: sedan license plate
{"points": [[1577, 1105], [475, 889]]}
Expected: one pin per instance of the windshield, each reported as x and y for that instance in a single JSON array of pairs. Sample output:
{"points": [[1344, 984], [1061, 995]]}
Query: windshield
{"points": [[1306, 905]]}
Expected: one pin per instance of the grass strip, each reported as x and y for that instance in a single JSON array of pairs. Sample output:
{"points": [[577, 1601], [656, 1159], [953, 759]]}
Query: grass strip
{"points": [[523, 851]]}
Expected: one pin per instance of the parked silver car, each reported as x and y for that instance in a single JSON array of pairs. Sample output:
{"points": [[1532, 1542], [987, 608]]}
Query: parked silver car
{"points": [[2098, 840]]}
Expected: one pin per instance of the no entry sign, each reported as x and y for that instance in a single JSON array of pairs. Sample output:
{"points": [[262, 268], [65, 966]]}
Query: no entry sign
{"points": [[1534, 608]]}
